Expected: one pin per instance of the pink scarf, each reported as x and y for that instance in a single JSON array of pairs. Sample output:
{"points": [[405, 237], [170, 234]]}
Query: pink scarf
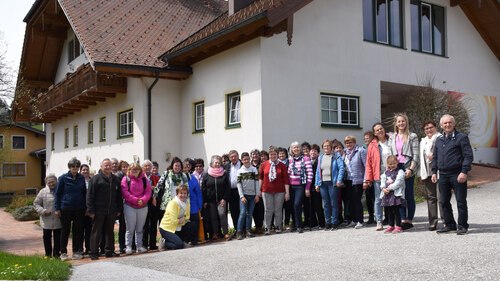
{"points": [[216, 172]]}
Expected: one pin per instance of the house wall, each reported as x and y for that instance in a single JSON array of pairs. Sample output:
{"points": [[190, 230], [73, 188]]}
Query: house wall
{"points": [[234, 70], [328, 54], [66, 66], [8, 155]]}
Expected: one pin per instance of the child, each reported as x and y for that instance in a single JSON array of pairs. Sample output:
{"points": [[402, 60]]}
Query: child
{"points": [[50, 223], [249, 191], [392, 184]]}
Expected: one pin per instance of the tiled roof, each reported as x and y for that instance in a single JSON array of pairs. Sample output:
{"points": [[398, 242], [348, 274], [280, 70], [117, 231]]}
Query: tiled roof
{"points": [[137, 32]]}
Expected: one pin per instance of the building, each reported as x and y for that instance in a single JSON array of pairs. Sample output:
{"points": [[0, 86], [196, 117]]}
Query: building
{"points": [[22, 157], [156, 79]]}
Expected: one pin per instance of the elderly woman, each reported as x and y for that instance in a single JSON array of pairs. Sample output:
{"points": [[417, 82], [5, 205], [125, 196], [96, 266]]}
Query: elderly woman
{"points": [[426, 157], [300, 174], [215, 188], [329, 180], [355, 159], [50, 223], [376, 163], [175, 227], [405, 146], [274, 182]]}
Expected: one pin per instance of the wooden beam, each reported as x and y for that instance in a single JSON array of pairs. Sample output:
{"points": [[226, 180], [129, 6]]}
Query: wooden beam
{"points": [[454, 3], [53, 19], [45, 31], [101, 94], [38, 83], [85, 98], [82, 102]]}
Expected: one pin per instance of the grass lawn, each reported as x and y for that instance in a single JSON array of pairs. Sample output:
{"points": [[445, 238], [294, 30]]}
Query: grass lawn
{"points": [[14, 267]]}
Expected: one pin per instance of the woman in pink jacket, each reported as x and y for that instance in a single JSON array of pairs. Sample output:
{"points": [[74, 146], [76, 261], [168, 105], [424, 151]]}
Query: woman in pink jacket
{"points": [[136, 192]]}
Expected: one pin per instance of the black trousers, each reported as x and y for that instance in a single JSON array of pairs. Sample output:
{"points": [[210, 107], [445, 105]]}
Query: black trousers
{"points": [[288, 208], [72, 221], [87, 229], [151, 227], [370, 201], [355, 203], [345, 213], [234, 206], [258, 214], [102, 224], [48, 235], [393, 215], [314, 215]]}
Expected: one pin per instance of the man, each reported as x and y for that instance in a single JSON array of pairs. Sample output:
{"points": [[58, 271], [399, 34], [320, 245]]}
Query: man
{"points": [[234, 200], [114, 166], [104, 204], [453, 158]]}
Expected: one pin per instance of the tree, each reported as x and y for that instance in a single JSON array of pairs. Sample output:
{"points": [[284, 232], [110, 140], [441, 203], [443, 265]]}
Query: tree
{"points": [[7, 74], [425, 102]]}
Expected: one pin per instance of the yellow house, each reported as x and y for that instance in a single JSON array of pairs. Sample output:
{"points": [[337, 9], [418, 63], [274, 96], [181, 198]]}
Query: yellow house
{"points": [[22, 157]]}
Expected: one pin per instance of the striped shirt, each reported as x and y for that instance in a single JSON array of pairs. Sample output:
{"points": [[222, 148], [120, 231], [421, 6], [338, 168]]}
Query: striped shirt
{"points": [[300, 171]]}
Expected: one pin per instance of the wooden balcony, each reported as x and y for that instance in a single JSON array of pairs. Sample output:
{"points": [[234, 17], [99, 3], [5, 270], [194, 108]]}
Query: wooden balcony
{"points": [[79, 90]]}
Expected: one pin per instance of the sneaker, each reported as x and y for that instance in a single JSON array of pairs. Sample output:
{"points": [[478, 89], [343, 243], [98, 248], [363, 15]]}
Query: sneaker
{"points": [[328, 227], [123, 250], [239, 235], [278, 230], [397, 229], [407, 225], [461, 230], [77, 256], [359, 226], [379, 226], [161, 247], [250, 234], [112, 254], [94, 257], [141, 250], [389, 229], [352, 224], [300, 230], [266, 231], [446, 229], [186, 245], [128, 251], [64, 257], [306, 228]]}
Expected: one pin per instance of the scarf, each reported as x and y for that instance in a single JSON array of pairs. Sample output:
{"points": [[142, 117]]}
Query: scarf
{"points": [[198, 176], [183, 206], [295, 171], [216, 172], [392, 174], [272, 170]]}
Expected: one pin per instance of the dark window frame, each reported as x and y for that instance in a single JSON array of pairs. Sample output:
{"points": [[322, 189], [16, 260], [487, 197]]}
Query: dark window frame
{"points": [[432, 9], [340, 110], [229, 110], [14, 144], [129, 123], [374, 27], [196, 117]]}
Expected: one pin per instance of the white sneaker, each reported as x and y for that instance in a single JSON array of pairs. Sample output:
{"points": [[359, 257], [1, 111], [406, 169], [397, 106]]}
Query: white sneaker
{"points": [[128, 251], [352, 224], [141, 250], [359, 225], [379, 226], [64, 257], [77, 256], [161, 247]]}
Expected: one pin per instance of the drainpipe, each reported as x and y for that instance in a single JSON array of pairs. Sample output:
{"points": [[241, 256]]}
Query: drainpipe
{"points": [[149, 115]]}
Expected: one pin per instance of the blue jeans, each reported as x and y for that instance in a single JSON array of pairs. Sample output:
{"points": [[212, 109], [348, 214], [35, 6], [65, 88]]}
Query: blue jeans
{"points": [[172, 241], [446, 184], [408, 212], [246, 213], [377, 206], [330, 195], [298, 199]]}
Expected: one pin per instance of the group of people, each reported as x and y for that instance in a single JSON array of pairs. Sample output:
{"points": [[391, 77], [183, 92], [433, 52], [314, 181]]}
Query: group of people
{"points": [[315, 188]]}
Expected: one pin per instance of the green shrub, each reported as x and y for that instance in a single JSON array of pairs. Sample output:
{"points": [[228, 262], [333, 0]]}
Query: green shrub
{"points": [[25, 213], [14, 267], [19, 201]]}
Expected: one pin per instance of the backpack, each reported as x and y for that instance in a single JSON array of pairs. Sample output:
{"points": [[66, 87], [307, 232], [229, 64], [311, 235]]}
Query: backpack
{"points": [[144, 184]]}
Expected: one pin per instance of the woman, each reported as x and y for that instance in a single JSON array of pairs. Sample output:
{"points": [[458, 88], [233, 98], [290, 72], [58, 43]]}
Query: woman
{"points": [[405, 146], [274, 181], [376, 163], [300, 177], [69, 206], [426, 156], [215, 189], [288, 205], [136, 192], [175, 228], [345, 219], [195, 196], [87, 221], [164, 191], [249, 192], [329, 180], [50, 223], [122, 228], [264, 156], [369, 193], [258, 211], [355, 159]]}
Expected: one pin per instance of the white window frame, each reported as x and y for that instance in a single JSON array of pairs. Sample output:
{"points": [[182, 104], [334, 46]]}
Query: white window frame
{"points": [[127, 125], [13, 163], [233, 108], [339, 110], [66, 137], [12, 142], [75, 135], [199, 116], [102, 129], [90, 132]]}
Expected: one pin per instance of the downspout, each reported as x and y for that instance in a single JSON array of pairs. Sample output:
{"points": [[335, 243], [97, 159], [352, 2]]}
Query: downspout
{"points": [[150, 89]]}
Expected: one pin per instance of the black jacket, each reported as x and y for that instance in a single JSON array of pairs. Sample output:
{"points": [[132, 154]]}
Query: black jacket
{"points": [[452, 154], [104, 195], [215, 189]]}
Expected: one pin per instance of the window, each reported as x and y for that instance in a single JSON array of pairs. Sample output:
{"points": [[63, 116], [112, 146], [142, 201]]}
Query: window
{"points": [[90, 133], [339, 110], [126, 124], [18, 142], [427, 28], [199, 117], [74, 49], [1, 141], [14, 169], [383, 21], [75, 135], [52, 141], [102, 129], [66, 138], [233, 110]]}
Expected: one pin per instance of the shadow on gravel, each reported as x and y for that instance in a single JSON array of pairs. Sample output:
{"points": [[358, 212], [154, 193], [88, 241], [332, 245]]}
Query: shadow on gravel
{"points": [[483, 228]]}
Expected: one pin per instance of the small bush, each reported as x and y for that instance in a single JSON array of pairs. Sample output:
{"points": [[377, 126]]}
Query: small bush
{"points": [[26, 213], [13, 267], [19, 201]]}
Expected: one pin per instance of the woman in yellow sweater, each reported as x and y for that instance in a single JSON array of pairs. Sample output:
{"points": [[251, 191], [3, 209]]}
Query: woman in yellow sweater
{"points": [[175, 227]]}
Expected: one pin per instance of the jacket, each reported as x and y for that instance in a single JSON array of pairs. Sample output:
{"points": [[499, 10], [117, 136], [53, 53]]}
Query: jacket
{"points": [[70, 192], [170, 220], [452, 154], [398, 186], [104, 196], [373, 161], [356, 165], [215, 189], [164, 190], [195, 196], [337, 167], [426, 146], [136, 191], [410, 151], [44, 206], [278, 185]]}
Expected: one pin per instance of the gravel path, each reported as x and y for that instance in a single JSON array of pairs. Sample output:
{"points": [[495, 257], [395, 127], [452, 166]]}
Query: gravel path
{"points": [[346, 254]]}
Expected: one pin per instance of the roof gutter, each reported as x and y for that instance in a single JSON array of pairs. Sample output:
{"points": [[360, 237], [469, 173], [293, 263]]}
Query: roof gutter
{"points": [[169, 56], [153, 70]]}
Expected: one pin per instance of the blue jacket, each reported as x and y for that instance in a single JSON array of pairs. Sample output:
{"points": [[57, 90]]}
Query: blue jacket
{"points": [[337, 169], [195, 196], [452, 154], [70, 192]]}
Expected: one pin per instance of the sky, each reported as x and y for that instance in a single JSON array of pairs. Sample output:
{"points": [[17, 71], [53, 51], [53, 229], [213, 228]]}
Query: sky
{"points": [[12, 13]]}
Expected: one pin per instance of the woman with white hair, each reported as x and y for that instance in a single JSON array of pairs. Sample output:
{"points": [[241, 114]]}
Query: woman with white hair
{"points": [[300, 175]]}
